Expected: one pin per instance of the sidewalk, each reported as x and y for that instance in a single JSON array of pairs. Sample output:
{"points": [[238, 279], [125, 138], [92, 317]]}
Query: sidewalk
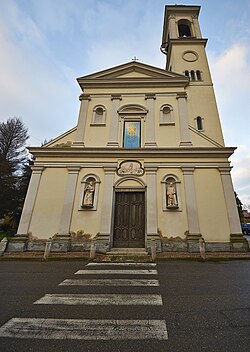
{"points": [[106, 258]]}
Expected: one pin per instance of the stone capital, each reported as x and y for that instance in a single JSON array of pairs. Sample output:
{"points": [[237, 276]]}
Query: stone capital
{"points": [[150, 96], [181, 95], [151, 170], [225, 170], [116, 97], [84, 97], [188, 170], [109, 169], [37, 169], [73, 169]]}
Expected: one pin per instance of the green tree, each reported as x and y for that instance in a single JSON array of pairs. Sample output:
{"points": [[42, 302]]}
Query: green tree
{"points": [[13, 161], [239, 207]]}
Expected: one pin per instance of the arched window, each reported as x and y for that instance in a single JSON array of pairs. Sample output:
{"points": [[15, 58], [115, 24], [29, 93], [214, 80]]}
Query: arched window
{"points": [[199, 123], [166, 115], [192, 75], [89, 192], [184, 27], [198, 75], [187, 73], [99, 115], [171, 193]]}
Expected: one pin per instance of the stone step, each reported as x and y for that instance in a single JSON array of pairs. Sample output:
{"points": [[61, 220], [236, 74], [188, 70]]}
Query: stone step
{"points": [[127, 252]]}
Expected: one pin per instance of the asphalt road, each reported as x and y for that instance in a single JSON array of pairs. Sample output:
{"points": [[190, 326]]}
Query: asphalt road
{"points": [[196, 307]]}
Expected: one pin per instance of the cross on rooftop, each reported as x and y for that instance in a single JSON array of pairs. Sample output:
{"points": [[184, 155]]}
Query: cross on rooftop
{"points": [[135, 59]]}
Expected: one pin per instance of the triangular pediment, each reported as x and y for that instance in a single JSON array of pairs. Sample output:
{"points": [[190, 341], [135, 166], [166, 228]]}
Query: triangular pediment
{"points": [[132, 73]]}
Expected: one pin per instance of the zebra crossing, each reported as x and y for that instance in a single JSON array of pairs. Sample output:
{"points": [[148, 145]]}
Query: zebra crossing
{"points": [[97, 329]]}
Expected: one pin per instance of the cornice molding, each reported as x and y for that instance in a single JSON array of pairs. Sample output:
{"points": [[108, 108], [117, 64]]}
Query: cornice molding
{"points": [[184, 152], [138, 82]]}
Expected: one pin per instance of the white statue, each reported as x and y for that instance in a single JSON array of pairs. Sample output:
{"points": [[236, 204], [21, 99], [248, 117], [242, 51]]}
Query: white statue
{"points": [[88, 197], [171, 196]]}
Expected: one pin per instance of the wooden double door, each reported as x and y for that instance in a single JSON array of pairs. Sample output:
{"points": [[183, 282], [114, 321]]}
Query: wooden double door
{"points": [[129, 222]]}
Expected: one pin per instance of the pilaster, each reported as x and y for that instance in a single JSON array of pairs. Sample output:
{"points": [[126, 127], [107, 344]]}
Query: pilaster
{"points": [[183, 115], [192, 211], [152, 223], [238, 242], [64, 226], [81, 124], [30, 199], [113, 133], [150, 121], [196, 27], [103, 239], [172, 28]]}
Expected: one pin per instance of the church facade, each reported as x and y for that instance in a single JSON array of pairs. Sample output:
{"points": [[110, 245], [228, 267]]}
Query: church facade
{"points": [[147, 159]]}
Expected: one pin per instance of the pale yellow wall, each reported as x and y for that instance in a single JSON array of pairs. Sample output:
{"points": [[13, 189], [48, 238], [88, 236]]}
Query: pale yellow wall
{"points": [[133, 74], [167, 135], [171, 223], [213, 218], [67, 137], [49, 203], [98, 136], [201, 102], [87, 220], [179, 65]]}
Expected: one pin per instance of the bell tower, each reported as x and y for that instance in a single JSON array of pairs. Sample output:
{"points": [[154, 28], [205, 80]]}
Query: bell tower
{"points": [[184, 47]]}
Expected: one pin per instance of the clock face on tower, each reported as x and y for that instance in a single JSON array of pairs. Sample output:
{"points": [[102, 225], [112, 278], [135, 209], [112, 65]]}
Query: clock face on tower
{"points": [[190, 56]]}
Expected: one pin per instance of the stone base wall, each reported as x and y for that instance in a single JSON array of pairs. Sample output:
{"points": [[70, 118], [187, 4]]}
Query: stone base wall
{"points": [[103, 245]]}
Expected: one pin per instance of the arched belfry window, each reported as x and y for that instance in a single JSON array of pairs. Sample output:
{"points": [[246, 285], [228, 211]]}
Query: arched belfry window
{"points": [[167, 115], [89, 192], [192, 73], [171, 193], [184, 28], [99, 115], [198, 75]]}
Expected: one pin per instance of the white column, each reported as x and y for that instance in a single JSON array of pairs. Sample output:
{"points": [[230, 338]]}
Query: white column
{"points": [[232, 212], [106, 217], [150, 122], [152, 223], [64, 226], [183, 118], [30, 199], [82, 118], [172, 28], [113, 133], [191, 203]]}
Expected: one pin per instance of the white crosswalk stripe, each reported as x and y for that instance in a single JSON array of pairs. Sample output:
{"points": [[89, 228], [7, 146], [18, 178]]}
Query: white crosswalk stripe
{"points": [[100, 299], [117, 272], [123, 264], [109, 282], [93, 329], [34, 328]]}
